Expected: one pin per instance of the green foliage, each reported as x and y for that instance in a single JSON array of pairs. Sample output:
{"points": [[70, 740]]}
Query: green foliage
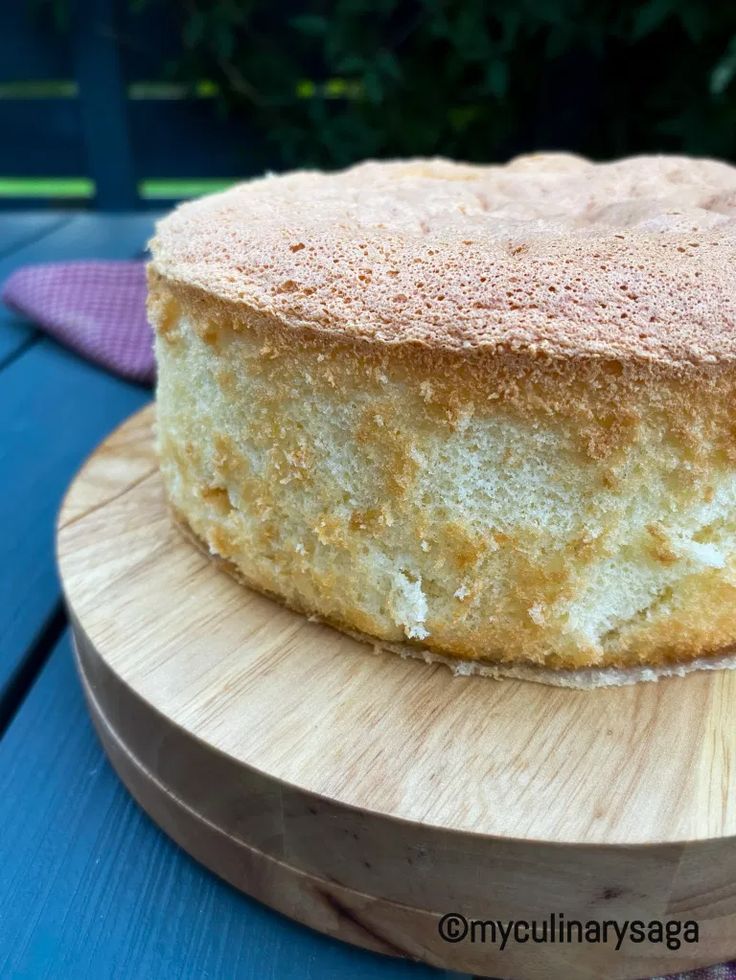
{"points": [[325, 83]]}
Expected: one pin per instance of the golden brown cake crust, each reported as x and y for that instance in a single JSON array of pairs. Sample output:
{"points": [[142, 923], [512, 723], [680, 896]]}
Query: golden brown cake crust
{"points": [[550, 254], [583, 678], [511, 445]]}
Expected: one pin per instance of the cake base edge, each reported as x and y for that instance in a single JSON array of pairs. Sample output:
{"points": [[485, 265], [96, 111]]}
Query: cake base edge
{"points": [[587, 678]]}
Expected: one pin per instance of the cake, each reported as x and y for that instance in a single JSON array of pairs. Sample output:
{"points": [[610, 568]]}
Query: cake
{"points": [[476, 414]]}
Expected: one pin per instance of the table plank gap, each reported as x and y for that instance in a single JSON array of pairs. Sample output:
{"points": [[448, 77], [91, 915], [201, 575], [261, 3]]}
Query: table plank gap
{"points": [[12, 353], [56, 408], [20, 683], [23, 228]]}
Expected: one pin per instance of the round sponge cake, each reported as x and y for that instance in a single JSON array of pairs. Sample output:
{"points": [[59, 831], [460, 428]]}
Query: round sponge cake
{"points": [[480, 414]]}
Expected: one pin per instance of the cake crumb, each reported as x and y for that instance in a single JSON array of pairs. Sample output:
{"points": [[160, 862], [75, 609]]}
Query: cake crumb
{"points": [[536, 614], [426, 390]]}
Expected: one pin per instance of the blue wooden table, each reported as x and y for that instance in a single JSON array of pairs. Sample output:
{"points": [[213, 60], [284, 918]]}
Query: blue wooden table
{"points": [[89, 887]]}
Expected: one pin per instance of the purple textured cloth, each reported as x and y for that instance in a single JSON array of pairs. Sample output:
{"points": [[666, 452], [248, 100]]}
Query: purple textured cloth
{"points": [[726, 971], [96, 308]]}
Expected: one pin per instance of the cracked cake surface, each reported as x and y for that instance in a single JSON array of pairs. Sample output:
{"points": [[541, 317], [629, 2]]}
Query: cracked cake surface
{"points": [[475, 412]]}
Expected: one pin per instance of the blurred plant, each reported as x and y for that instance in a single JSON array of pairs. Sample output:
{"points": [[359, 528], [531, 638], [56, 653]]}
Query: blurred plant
{"points": [[325, 83]]}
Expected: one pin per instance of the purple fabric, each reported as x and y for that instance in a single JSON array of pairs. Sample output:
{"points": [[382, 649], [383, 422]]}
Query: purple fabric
{"points": [[96, 308], [726, 971]]}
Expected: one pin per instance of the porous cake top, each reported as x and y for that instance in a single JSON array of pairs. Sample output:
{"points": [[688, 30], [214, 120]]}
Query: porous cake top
{"points": [[631, 259]]}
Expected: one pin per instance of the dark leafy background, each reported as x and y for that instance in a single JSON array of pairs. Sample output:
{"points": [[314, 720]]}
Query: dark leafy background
{"points": [[326, 83]]}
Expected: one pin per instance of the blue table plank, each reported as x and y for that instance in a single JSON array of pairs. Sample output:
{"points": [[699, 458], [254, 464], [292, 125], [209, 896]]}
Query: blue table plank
{"points": [[18, 228], [89, 887], [79, 236], [54, 409], [84, 236], [15, 336]]}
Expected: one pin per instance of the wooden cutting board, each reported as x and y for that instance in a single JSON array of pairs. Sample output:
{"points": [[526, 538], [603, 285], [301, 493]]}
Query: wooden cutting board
{"points": [[366, 795]]}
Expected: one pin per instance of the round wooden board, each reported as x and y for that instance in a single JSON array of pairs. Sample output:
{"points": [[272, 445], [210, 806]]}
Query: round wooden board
{"points": [[367, 795]]}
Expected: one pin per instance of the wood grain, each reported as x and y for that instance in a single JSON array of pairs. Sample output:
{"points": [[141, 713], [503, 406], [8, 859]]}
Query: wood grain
{"points": [[362, 774], [90, 888]]}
